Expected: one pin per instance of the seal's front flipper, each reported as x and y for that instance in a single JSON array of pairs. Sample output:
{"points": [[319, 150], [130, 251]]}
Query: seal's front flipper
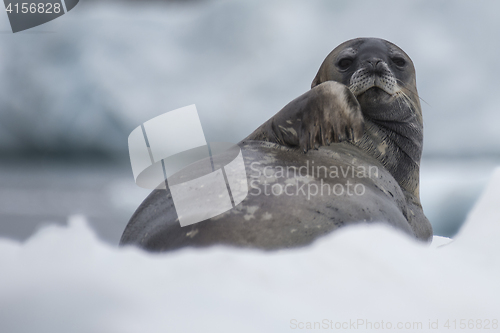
{"points": [[327, 113], [332, 114]]}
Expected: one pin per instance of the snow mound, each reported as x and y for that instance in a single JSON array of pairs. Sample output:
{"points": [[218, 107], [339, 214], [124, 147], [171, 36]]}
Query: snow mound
{"points": [[65, 280]]}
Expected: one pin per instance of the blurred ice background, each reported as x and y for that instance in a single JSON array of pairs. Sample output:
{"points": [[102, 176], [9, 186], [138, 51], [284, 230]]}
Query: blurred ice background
{"points": [[73, 89]]}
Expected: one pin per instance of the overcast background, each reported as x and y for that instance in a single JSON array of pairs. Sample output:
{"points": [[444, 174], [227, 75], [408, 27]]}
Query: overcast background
{"points": [[73, 89]]}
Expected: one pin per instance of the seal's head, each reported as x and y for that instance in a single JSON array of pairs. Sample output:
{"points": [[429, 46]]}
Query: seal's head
{"points": [[377, 72], [382, 78]]}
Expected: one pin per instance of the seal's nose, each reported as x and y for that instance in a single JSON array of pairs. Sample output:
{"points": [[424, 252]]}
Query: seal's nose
{"points": [[375, 65]]}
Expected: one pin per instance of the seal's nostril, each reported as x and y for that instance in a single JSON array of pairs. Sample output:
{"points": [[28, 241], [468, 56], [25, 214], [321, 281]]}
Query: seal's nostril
{"points": [[374, 63], [375, 66]]}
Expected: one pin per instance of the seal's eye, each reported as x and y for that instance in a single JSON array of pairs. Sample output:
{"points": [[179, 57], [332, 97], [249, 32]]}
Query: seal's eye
{"points": [[399, 61], [345, 63]]}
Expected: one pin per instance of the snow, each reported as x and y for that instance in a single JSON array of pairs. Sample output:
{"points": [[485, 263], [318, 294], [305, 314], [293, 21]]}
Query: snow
{"points": [[63, 279]]}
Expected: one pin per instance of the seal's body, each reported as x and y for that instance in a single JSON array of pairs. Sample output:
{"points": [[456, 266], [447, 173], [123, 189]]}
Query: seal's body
{"points": [[357, 135]]}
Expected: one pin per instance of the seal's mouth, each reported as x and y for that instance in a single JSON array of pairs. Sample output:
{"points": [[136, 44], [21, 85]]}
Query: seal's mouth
{"points": [[374, 96], [375, 90]]}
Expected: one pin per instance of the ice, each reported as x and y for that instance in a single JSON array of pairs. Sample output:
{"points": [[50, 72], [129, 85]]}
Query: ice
{"points": [[64, 279]]}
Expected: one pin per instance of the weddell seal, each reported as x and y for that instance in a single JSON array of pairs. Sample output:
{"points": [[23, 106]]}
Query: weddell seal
{"points": [[347, 151]]}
